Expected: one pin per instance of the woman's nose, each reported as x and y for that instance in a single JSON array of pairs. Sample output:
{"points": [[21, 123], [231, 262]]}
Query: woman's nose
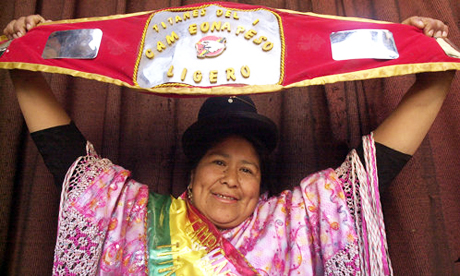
{"points": [[230, 177]]}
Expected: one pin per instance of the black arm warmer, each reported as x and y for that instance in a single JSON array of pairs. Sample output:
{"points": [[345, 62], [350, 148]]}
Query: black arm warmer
{"points": [[389, 163], [60, 146]]}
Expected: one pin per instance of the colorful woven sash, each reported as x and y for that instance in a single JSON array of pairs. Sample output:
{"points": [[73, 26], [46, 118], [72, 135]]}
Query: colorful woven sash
{"points": [[183, 242]]}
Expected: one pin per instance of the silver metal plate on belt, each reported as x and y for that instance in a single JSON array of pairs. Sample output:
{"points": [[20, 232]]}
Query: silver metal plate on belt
{"points": [[362, 44], [75, 44]]}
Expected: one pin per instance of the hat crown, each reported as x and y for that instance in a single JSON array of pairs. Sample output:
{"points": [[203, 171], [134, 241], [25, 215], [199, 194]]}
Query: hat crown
{"points": [[222, 116], [221, 105]]}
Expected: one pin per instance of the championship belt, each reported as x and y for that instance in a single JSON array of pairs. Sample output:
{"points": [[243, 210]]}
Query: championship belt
{"points": [[226, 48]]}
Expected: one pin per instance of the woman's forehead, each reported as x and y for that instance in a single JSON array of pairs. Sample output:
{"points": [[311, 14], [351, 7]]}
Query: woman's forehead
{"points": [[234, 144]]}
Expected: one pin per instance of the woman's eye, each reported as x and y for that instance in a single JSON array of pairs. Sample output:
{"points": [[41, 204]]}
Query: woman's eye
{"points": [[246, 170], [218, 162]]}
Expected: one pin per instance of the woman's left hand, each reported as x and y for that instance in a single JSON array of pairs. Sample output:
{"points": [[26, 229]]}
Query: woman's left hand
{"points": [[431, 27], [405, 129]]}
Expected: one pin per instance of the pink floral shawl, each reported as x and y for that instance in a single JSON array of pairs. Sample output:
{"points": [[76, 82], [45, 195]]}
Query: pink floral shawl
{"points": [[331, 224]]}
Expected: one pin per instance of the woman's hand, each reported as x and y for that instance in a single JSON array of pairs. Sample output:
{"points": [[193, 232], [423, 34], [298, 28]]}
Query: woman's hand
{"points": [[22, 25], [39, 107], [431, 27], [407, 126]]}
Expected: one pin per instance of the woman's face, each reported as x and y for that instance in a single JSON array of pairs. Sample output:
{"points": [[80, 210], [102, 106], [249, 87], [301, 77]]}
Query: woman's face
{"points": [[226, 182]]}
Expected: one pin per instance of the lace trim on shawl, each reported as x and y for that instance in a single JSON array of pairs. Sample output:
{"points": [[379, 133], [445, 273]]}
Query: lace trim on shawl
{"points": [[361, 190], [351, 190], [345, 262], [78, 255]]}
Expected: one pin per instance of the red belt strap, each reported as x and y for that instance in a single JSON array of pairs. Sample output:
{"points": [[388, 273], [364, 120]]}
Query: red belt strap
{"points": [[230, 48]]}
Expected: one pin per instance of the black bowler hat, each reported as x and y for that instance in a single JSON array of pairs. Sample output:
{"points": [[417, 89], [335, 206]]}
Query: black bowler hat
{"points": [[223, 116]]}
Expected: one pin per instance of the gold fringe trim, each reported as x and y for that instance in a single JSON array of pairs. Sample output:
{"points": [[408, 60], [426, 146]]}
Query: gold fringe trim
{"points": [[64, 71], [382, 72]]}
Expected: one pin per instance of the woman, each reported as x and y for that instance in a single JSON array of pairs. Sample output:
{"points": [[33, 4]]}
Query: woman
{"points": [[223, 224]]}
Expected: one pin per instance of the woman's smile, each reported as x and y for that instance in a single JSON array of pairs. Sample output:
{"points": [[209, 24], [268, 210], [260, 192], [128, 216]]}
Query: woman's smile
{"points": [[225, 198]]}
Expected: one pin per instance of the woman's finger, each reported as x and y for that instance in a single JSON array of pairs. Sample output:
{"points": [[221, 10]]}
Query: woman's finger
{"points": [[431, 27], [33, 20], [19, 27], [415, 21], [9, 31]]}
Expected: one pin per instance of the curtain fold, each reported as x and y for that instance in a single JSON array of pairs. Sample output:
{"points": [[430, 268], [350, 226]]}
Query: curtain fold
{"points": [[318, 125]]}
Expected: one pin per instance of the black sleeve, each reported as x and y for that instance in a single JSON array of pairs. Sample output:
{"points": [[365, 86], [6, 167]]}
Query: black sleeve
{"points": [[389, 163], [60, 146]]}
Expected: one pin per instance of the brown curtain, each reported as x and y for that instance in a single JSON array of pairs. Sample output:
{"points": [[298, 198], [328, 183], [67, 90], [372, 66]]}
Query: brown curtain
{"points": [[318, 124]]}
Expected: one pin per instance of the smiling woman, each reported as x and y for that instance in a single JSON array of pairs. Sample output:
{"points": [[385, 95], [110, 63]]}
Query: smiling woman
{"points": [[226, 221], [227, 147], [226, 183]]}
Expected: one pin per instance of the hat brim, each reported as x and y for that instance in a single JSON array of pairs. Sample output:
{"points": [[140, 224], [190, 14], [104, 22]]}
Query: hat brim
{"points": [[243, 123]]}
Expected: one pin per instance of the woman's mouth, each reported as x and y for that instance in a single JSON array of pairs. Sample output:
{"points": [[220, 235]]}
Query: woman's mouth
{"points": [[225, 197]]}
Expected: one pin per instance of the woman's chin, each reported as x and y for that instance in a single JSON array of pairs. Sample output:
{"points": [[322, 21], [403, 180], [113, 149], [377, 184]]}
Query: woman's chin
{"points": [[225, 223]]}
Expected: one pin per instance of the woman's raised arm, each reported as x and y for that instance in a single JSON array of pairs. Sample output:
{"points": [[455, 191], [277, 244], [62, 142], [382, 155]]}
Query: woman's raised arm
{"points": [[39, 107], [405, 129]]}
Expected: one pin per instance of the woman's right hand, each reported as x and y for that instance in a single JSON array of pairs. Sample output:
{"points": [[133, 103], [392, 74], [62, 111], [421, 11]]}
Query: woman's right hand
{"points": [[22, 25], [39, 107]]}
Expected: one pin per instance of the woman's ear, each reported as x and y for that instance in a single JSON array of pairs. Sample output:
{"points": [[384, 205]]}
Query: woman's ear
{"points": [[192, 178]]}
